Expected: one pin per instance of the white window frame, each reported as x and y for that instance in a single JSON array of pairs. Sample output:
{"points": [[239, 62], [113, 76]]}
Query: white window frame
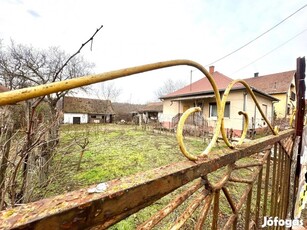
{"points": [[213, 107]]}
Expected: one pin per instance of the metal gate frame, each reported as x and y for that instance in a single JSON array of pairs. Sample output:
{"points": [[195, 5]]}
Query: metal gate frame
{"points": [[125, 196]]}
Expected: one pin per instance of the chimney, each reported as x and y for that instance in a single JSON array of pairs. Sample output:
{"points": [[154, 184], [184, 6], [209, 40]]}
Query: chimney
{"points": [[211, 69], [256, 74]]}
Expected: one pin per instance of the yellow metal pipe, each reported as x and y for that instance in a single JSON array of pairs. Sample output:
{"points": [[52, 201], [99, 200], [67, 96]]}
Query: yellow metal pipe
{"points": [[220, 121], [245, 127], [14, 96], [179, 132], [250, 91]]}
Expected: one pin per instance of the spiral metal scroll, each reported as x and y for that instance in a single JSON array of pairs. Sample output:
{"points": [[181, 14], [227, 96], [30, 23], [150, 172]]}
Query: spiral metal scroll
{"points": [[220, 120]]}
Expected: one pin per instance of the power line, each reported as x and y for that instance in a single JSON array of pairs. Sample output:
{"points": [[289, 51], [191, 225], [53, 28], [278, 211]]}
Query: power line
{"points": [[241, 47], [271, 51]]}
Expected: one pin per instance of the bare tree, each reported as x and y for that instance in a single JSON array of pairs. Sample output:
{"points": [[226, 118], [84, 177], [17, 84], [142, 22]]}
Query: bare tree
{"points": [[23, 66], [108, 91], [169, 86]]}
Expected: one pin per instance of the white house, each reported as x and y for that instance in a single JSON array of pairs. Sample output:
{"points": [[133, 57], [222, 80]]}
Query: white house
{"points": [[85, 110]]}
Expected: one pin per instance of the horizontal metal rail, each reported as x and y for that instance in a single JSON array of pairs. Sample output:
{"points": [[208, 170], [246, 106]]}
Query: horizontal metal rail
{"points": [[15, 96], [125, 196]]}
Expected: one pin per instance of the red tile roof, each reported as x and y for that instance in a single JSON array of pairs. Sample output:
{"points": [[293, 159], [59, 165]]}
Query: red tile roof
{"points": [[272, 83], [266, 85], [201, 86]]}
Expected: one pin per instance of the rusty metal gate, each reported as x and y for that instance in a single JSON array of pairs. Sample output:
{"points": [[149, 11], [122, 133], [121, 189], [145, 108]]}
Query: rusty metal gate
{"points": [[210, 191]]}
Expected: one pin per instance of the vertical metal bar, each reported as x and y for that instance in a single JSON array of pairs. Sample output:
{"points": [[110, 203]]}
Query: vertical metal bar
{"points": [[278, 209], [248, 209], [229, 199], [232, 205], [244, 196], [299, 116], [282, 181], [283, 184], [258, 199], [277, 185], [204, 212], [215, 209], [187, 213], [266, 184], [273, 181], [287, 186], [156, 218]]}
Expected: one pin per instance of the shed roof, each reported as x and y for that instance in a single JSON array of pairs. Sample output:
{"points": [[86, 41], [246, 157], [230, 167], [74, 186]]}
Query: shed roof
{"points": [[87, 105], [272, 83], [124, 108], [153, 107]]}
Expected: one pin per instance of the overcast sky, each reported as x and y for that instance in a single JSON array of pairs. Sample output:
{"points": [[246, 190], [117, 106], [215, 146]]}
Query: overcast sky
{"points": [[141, 32]]}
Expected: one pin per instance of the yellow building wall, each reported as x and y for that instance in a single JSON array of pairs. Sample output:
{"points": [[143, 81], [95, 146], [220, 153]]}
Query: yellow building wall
{"points": [[281, 106], [256, 121], [285, 101]]}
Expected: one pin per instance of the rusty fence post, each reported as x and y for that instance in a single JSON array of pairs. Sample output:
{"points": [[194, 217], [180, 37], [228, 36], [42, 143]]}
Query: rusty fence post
{"points": [[299, 117]]}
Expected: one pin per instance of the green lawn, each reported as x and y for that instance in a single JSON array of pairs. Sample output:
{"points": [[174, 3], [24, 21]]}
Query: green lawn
{"points": [[116, 151], [113, 151]]}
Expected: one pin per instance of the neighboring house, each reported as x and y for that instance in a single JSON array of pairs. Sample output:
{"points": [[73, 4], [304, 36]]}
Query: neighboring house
{"points": [[125, 111], [201, 94], [133, 112], [152, 111], [84, 110], [281, 86]]}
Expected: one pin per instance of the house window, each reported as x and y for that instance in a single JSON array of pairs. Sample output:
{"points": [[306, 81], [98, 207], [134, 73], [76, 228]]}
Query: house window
{"points": [[213, 110]]}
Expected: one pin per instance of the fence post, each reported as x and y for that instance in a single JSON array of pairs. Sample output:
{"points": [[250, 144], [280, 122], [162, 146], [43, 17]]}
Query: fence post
{"points": [[299, 117], [300, 92]]}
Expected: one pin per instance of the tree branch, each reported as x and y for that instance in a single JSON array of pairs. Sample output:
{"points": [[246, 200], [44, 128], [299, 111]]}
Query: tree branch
{"points": [[71, 57]]}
